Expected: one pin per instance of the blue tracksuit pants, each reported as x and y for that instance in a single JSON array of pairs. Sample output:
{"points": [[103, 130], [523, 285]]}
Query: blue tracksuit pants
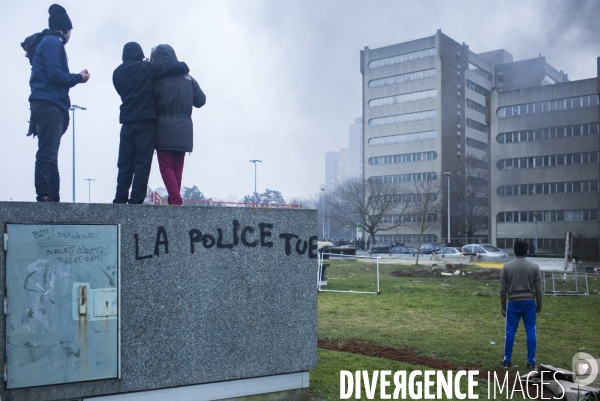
{"points": [[516, 311]]}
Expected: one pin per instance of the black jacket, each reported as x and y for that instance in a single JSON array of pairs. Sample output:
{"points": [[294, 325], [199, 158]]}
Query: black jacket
{"points": [[134, 82], [175, 96]]}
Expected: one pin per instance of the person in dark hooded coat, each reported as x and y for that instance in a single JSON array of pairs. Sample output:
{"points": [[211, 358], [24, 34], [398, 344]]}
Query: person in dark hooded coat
{"points": [[175, 97], [134, 82]]}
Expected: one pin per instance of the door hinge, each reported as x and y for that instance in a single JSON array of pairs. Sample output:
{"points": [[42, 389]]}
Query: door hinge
{"points": [[5, 241]]}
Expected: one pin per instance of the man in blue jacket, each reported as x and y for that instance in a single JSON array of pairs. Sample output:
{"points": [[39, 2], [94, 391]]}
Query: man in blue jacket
{"points": [[49, 100]]}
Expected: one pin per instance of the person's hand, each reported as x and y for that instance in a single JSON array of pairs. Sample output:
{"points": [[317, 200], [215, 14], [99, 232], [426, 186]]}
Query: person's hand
{"points": [[538, 309], [85, 75], [503, 312]]}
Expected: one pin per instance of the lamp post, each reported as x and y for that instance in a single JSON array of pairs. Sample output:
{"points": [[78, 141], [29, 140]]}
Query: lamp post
{"points": [[323, 203], [448, 174], [255, 194], [73, 108], [89, 180]]}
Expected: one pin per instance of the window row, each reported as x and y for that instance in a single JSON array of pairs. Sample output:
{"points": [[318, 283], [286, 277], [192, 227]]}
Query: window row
{"points": [[475, 106], [548, 161], [403, 138], [398, 79], [548, 216], [477, 144], [398, 178], [548, 188], [406, 238], [548, 133], [404, 198], [477, 88], [408, 218], [480, 71], [403, 158], [477, 125], [548, 106], [403, 98], [550, 243], [402, 58], [475, 163], [403, 118]]}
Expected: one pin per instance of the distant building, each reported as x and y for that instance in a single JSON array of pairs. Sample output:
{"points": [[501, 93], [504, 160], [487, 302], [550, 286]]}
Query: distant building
{"points": [[430, 106], [355, 157], [336, 168]]}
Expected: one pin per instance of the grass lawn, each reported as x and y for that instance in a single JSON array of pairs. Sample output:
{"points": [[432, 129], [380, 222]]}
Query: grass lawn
{"points": [[453, 319]]}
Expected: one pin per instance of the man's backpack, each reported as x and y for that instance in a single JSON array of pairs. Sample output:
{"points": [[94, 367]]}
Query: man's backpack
{"points": [[30, 43]]}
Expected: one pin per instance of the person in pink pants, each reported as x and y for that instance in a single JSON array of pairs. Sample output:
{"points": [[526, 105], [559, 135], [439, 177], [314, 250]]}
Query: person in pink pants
{"points": [[175, 98]]}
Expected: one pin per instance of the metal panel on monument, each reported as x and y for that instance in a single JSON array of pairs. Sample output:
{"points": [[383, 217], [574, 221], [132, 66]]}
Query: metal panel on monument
{"points": [[61, 321]]}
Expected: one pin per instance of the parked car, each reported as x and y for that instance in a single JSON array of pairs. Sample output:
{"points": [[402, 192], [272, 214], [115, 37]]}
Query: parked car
{"points": [[380, 248], [427, 248], [485, 250], [403, 250], [451, 252]]}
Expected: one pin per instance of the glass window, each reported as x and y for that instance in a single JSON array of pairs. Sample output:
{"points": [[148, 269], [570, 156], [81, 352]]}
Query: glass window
{"points": [[539, 189], [593, 186], [560, 215], [523, 189], [560, 187], [594, 214], [593, 157]]}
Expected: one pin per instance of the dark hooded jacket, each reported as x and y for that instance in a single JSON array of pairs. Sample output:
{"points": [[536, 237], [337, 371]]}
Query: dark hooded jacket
{"points": [[175, 96], [50, 77], [134, 82]]}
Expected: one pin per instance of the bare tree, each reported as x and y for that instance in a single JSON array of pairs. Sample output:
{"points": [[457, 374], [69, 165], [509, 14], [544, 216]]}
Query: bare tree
{"points": [[425, 209], [473, 193], [372, 205]]}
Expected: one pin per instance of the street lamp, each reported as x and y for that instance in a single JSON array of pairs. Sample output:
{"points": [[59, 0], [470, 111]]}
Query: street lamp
{"points": [[73, 108], [448, 174], [255, 194], [89, 180], [323, 202]]}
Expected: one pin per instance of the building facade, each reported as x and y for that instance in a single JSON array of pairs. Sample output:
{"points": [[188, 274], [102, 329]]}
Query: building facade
{"points": [[431, 113], [417, 125], [544, 167]]}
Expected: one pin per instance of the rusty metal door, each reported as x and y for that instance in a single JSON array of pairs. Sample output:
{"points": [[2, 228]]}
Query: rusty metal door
{"points": [[61, 304]]}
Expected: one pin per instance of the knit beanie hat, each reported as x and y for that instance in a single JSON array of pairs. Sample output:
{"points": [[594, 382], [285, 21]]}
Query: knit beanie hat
{"points": [[59, 20]]}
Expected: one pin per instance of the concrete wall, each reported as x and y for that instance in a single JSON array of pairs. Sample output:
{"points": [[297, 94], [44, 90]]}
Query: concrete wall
{"points": [[241, 308]]}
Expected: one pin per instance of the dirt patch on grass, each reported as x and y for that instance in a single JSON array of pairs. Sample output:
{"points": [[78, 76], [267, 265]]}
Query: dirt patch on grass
{"points": [[396, 354], [449, 271], [413, 357]]}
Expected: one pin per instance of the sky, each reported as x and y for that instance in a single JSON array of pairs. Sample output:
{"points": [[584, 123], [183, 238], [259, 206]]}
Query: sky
{"points": [[282, 78]]}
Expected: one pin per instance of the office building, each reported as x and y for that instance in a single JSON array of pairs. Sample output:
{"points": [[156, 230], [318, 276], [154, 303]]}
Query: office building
{"points": [[430, 107]]}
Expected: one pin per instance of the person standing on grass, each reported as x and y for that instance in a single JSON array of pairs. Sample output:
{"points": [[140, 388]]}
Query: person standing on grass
{"points": [[521, 281], [134, 82], [175, 98], [49, 101]]}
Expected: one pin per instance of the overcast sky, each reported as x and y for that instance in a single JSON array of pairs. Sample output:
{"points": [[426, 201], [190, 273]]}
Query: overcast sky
{"points": [[282, 78]]}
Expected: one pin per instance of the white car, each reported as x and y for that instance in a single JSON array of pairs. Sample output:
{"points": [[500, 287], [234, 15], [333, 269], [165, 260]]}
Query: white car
{"points": [[485, 251]]}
